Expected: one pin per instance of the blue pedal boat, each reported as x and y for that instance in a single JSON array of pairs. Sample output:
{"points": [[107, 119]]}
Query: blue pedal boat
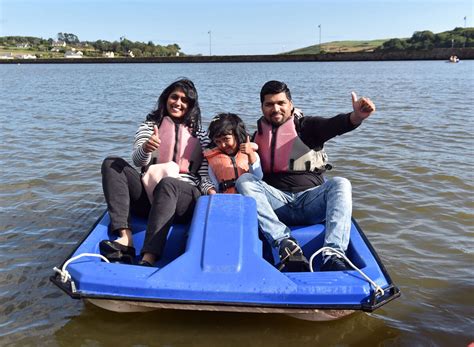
{"points": [[219, 262]]}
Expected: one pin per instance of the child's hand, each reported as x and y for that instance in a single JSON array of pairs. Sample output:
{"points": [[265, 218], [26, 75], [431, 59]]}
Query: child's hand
{"points": [[153, 142], [249, 148]]}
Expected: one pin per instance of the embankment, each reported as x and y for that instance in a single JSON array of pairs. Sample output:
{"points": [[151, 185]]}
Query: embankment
{"points": [[435, 54]]}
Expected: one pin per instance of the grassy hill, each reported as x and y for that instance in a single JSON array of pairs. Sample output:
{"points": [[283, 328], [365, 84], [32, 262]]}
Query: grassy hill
{"points": [[340, 46], [420, 41]]}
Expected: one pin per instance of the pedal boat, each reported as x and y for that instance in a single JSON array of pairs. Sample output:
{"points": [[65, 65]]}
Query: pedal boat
{"points": [[219, 262]]}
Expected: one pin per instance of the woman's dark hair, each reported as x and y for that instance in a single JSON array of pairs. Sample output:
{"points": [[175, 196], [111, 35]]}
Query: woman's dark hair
{"points": [[192, 118], [274, 87], [227, 124]]}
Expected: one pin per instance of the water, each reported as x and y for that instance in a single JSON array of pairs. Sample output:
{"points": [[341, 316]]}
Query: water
{"points": [[410, 165]]}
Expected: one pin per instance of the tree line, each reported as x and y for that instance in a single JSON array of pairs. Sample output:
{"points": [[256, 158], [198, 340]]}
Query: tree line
{"points": [[426, 40], [95, 48]]}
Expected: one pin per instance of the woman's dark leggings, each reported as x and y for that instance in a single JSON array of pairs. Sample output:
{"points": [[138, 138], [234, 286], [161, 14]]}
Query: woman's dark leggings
{"points": [[173, 202]]}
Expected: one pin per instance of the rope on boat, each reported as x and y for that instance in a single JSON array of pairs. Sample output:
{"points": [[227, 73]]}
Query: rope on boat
{"points": [[65, 275], [336, 252]]}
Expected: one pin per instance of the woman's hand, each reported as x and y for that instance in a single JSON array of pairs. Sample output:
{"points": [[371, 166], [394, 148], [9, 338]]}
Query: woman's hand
{"points": [[153, 142]]}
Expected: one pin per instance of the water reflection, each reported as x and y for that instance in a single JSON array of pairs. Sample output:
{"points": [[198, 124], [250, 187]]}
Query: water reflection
{"points": [[165, 328]]}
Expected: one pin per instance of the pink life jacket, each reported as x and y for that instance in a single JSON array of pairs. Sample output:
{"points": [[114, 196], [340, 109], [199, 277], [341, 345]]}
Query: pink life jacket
{"points": [[179, 145], [282, 150]]}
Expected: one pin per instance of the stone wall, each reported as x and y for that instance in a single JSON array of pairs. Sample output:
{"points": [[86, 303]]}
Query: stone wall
{"points": [[435, 54]]}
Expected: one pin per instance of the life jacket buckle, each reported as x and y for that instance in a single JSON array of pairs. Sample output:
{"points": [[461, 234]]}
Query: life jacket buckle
{"points": [[224, 185]]}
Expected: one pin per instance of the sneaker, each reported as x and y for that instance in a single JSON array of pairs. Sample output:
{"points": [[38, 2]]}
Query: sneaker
{"points": [[292, 258], [334, 263], [289, 247]]}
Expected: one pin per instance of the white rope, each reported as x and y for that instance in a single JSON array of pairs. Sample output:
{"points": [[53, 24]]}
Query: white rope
{"points": [[65, 276], [333, 251]]}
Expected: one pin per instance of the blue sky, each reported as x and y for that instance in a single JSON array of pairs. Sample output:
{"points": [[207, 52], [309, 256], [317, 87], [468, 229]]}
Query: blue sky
{"points": [[237, 27]]}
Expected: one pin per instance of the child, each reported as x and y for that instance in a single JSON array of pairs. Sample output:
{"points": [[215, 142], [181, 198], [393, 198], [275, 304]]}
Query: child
{"points": [[233, 154]]}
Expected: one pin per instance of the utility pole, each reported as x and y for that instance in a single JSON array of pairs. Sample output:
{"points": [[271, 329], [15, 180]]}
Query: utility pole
{"points": [[465, 39], [319, 26], [210, 43]]}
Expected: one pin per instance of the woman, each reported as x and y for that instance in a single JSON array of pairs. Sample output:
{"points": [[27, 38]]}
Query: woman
{"points": [[171, 133]]}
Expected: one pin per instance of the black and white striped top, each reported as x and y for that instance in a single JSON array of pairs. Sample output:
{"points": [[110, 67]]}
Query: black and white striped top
{"points": [[141, 158]]}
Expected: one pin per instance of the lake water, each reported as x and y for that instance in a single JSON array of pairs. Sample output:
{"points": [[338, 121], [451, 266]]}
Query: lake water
{"points": [[410, 164]]}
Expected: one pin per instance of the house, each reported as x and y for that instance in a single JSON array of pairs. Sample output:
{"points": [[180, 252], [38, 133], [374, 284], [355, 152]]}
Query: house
{"points": [[23, 45], [6, 56], [17, 56], [55, 49], [26, 56], [130, 54], [73, 54], [109, 54], [58, 44]]}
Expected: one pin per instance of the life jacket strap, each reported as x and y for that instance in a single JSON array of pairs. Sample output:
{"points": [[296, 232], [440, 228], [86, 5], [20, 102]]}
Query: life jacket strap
{"points": [[224, 185]]}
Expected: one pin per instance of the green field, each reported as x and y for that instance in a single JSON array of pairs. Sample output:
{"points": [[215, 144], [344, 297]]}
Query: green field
{"points": [[340, 46]]}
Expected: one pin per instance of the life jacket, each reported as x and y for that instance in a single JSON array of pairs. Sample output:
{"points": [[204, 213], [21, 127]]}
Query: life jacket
{"points": [[282, 150], [179, 145], [227, 168]]}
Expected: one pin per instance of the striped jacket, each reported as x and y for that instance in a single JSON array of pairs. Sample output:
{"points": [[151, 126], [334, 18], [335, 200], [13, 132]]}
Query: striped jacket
{"points": [[141, 158]]}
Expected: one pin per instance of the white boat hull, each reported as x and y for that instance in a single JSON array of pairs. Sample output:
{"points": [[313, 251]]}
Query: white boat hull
{"points": [[142, 306]]}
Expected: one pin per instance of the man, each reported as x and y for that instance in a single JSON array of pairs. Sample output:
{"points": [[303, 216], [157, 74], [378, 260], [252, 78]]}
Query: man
{"points": [[293, 190]]}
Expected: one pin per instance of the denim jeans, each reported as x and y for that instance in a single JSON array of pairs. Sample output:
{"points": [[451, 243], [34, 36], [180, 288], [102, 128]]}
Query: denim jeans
{"points": [[330, 202]]}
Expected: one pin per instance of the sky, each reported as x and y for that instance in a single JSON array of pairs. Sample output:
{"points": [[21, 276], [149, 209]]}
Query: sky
{"points": [[232, 27]]}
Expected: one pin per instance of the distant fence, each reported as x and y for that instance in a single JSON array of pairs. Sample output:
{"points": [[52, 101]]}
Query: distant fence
{"points": [[435, 54]]}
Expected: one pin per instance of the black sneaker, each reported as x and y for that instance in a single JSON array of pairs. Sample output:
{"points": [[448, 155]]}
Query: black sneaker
{"points": [[292, 258], [335, 263], [289, 247]]}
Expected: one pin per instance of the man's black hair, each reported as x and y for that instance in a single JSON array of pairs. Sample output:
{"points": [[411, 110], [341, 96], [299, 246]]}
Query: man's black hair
{"points": [[274, 87]]}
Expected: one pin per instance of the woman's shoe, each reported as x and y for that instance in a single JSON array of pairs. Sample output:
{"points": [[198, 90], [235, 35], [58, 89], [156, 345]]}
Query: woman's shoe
{"points": [[107, 246], [115, 252], [144, 263]]}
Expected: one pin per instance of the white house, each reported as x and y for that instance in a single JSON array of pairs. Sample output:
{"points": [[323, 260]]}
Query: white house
{"points": [[26, 56], [6, 56], [72, 54], [59, 44], [109, 54]]}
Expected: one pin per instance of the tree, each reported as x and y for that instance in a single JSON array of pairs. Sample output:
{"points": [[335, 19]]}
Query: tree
{"points": [[68, 38], [394, 45], [420, 36], [137, 52]]}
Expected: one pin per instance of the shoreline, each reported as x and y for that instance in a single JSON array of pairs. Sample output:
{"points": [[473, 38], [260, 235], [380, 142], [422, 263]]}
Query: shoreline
{"points": [[435, 54]]}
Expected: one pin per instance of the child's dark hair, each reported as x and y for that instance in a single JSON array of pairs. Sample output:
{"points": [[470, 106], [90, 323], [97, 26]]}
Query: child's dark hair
{"points": [[227, 124]]}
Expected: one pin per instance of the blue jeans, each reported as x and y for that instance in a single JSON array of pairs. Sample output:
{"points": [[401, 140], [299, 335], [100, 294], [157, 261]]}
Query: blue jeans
{"points": [[330, 202]]}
